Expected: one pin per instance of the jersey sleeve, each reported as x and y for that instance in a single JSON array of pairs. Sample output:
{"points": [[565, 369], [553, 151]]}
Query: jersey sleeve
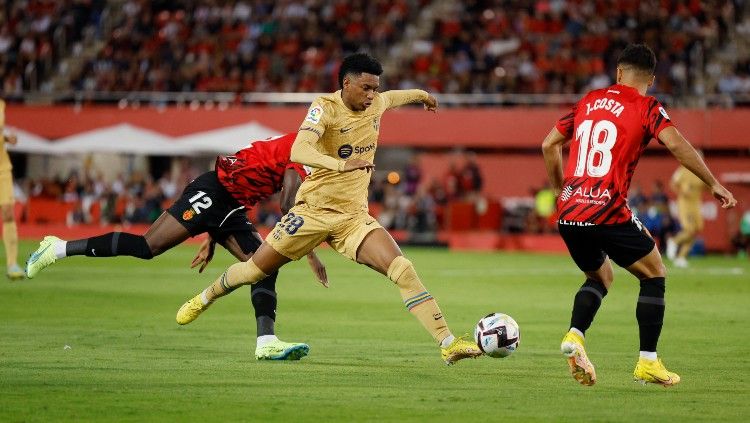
{"points": [[396, 98], [565, 123], [656, 118], [317, 118]]}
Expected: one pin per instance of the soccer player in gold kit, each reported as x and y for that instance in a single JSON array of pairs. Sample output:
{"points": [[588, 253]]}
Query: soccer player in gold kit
{"points": [[338, 137], [689, 189], [7, 203]]}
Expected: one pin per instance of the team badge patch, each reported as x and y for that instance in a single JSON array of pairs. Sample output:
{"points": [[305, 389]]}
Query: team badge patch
{"points": [[188, 214], [345, 151], [314, 115]]}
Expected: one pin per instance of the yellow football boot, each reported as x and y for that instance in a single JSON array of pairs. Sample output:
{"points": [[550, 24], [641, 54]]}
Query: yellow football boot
{"points": [[653, 371], [15, 273], [280, 350], [580, 366], [459, 349], [42, 257], [191, 310]]}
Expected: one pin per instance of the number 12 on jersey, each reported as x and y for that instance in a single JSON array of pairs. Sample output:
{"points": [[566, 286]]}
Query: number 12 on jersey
{"points": [[595, 143]]}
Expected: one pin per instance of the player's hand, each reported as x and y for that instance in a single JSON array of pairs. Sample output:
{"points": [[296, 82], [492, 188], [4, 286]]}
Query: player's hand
{"points": [[355, 164], [205, 254], [431, 104], [318, 268], [11, 138], [724, 196]]}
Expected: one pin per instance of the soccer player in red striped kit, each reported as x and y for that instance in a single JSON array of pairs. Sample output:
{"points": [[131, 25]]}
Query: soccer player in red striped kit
{"points": [[608, 129], [215, 203]]}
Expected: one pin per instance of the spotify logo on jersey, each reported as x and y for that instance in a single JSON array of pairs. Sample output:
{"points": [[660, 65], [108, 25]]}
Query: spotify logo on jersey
{"points": [[345, 151]]}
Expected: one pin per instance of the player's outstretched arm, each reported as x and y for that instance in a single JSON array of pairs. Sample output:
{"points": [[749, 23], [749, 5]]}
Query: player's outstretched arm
{"points": [[684, 152], [397, 98], [552, 151]]}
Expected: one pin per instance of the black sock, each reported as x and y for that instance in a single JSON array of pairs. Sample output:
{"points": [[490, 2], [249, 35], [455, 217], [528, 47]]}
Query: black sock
{"points": [[586, 304], [110, 245], [650, 312], [263, 297]]}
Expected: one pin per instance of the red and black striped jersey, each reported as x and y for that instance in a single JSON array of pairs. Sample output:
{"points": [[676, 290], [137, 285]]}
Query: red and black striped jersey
{"points": [[609, 128], [257, 171]]}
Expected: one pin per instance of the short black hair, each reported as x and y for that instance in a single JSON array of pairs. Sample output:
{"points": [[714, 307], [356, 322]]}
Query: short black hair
{"points": [[357, 64], [638, 56]]}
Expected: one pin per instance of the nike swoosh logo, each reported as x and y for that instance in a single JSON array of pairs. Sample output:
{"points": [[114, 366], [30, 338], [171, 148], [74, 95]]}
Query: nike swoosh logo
{"points": [[665, 381], [345, 130], [370, 222], [36, 255]]}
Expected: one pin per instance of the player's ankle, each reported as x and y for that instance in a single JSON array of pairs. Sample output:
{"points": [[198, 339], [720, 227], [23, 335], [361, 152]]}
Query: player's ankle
{"points": [[648, 355], [265, 339], [447, 341]]}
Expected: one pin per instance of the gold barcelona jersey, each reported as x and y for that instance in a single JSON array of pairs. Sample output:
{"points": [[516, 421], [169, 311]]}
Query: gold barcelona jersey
{"points": [[346, 134], [4, 159], [688, 186]]}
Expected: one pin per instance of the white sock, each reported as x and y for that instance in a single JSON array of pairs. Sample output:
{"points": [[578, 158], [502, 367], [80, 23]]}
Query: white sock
{"points": [[447, 341], [650, 355], [60, 249], [204, 299], [578, 332], [265, 339]]}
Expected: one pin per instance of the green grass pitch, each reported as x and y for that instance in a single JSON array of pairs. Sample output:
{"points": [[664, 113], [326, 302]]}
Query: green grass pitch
{"points": [[96, 340]]}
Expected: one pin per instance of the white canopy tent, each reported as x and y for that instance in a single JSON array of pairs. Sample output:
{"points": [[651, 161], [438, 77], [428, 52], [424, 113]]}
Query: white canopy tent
{"points": [[125, 138]]}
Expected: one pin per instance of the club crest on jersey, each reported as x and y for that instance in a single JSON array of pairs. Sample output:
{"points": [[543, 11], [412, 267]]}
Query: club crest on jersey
{"points": [[188, 214], [314, 115], [345, 151]]}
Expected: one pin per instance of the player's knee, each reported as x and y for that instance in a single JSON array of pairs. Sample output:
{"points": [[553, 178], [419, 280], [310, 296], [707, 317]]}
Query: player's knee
{"points": [[401, 271], [7, 214]]}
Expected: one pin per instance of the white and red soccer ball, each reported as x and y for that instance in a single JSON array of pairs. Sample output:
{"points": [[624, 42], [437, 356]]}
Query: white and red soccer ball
{"points": [[497, 335]]}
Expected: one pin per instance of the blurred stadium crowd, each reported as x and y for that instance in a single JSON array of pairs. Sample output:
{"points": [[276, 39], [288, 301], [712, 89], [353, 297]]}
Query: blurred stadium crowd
{"points": [[470, 47], [474, 46]]}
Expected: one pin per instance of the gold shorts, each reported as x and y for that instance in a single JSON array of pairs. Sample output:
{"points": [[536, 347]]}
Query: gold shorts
{"points": [[305, 227], [691, 220], [6, 188]]}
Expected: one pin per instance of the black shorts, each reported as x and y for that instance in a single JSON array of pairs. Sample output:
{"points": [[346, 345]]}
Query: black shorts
{"points": [[206, 206], [625, 243]]}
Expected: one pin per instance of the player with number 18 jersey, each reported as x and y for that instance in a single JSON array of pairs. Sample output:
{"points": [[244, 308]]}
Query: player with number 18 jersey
{"points": [[609, 129]]}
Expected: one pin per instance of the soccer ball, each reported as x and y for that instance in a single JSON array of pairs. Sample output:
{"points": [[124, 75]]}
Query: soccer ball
{"points": [[497, 335]]}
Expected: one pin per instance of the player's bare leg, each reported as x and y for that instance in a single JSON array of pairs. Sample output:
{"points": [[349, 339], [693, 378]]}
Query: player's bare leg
{"points": [[379, 251], [651, 272], [162, 235], [684, 241], [263, 299], [587, 301], [264, 262], [10, 241]]}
